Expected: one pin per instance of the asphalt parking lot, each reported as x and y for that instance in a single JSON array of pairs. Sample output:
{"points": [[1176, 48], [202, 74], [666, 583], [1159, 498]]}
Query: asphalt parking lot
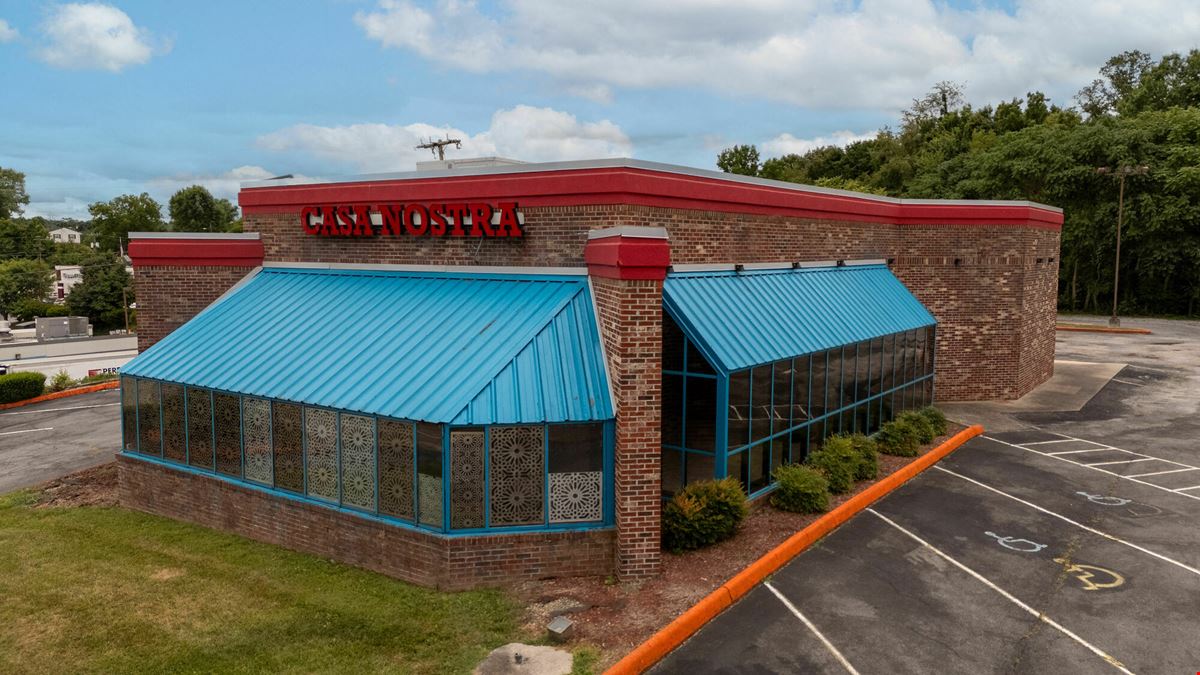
{"points": [[47, 440], [1067, 544]]}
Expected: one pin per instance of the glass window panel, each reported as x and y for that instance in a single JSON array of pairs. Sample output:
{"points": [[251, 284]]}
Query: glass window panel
{"points": [[760, 469], [889, 362], [833, 380], [672, 471], [174, 429], [287, 441], [862, 379], [739, 408], [320, 432], [516, 475], [358, 460], [760, 410], [928, 391], [782, 393], [699, 467], [199, 420], [429, 474], [736, 467], [800, 444], [149, 425], [876, 366], [919, 366], [779, 455], [931, 347], [395, 468], [800, 411], [227, 423], [847, 421], [256, 440], [911, 365], [816, 437], [576, 473], [672, 344], [466, 478], [696, 363], [672, 409], [129, 412], [820, 372], [701, 431]]}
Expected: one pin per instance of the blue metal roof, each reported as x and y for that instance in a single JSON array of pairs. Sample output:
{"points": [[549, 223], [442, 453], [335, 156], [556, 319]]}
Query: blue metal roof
{"points": [[744, 319], [437, 347]]}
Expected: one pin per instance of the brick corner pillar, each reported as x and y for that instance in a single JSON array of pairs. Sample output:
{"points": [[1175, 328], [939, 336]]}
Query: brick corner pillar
{"points": [[627, 266], [177, 274]]}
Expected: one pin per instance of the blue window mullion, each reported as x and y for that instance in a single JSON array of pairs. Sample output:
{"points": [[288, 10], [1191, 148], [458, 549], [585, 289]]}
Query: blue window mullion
{"points": [[375, 423], [242, 435], [137, 416], [546, 471], [446, 468], [337, 444], [487, 482], [212, 428], [721, 465], [187, 432]]}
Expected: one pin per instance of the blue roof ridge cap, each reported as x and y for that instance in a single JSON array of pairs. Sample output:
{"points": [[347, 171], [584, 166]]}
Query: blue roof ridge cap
{"points": [[775, 270]]}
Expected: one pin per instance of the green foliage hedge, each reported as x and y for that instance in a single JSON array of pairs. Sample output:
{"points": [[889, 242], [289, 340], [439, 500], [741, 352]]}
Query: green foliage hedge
{"points": [[20, 386], [800, 489], [920, 423], [868, 456], [936, 418], [898, 438], [838, 462], [702, 514]]}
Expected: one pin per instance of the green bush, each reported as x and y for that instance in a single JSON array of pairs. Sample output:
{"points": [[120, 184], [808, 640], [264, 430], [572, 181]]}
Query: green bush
{"points": [[60, 381], [838, 461], [898, 438], [868, 456], [800, 489], [703, 513], [925, 431], [20, 386], [936, 418]]}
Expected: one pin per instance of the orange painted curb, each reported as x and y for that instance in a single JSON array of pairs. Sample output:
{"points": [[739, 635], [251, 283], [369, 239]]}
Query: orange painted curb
{"points": [[1104, 329], [62, 394], [673, 634]]}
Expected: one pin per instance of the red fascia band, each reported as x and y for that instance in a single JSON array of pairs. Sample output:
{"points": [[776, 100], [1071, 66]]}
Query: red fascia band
{"points": [[628, 257], [196, 252]]}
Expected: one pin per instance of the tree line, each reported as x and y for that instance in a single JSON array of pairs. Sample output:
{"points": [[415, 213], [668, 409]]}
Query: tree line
{"points": [[28, 254], [1137, 112]]}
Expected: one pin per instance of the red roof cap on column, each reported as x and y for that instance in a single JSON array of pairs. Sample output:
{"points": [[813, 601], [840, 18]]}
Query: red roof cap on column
{"points": [[195, 249]]}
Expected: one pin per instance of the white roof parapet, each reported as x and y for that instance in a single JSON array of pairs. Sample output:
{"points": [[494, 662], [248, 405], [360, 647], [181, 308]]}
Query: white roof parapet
{"points": [[637, 231], [194, 235]]}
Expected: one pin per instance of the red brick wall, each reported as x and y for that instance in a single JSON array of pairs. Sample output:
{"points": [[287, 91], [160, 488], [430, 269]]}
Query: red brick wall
{"points": [[168, 296], [447, 563]]}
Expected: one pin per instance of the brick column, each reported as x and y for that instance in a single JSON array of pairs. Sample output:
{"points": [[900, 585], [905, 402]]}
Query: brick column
{"points": [[627, 266], [177, 274]]}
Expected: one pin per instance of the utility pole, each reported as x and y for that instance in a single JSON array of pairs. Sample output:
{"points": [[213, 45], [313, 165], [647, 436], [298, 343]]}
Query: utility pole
{"points": [[125, 306], [439, 147], [1120, 172]]}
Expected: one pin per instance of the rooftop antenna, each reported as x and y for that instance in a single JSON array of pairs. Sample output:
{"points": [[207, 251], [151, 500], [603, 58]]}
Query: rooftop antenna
{"points": [[439, 147]]}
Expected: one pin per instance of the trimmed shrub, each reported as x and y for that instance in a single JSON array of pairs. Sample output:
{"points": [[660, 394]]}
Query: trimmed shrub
{"points": [[868, 456], [920, 423], [800, 489], [898, 438], [60, 381], [20, 386], [936, 418], [838, 462], [703, 513]]}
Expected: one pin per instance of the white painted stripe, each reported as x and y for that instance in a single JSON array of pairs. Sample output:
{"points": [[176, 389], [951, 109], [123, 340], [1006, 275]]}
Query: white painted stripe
{"points": [[1159, 473], [1041, 616], [1061, 440], [1136, 384], [25, 431], [1183, 566], [1071, 452], [78, 407], [1187, 488], [1123, 461], [828, 645], [1111, 473]]}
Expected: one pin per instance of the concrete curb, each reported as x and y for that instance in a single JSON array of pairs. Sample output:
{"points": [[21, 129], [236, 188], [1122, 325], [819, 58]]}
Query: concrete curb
{"points": [[1104, 329], [62, 394], [675, 633]]}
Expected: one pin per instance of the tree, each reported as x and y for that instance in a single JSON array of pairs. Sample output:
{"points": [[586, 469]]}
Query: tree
{"points": [[740, 159], [24, 238], [22, 280], [102, 292], [112, 221], [12, 193], [944, 98], [194, 209], [1119, 77]]}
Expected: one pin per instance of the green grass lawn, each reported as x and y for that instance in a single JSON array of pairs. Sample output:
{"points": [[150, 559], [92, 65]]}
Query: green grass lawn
{"points": [[109, 590]]}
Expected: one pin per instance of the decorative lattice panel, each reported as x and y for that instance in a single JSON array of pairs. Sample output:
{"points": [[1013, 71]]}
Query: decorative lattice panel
{"points": [[174, 430], [320, 428], [358, 461], [575, 496], [429, 499], [149, 429], [466, 479], [395, 468], [516, 459], [256, 439], [287, 433], [227, 422], [129, 412], [199, 423]]}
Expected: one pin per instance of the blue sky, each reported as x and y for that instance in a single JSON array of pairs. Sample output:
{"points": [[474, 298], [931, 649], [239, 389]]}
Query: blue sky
{"points": [[132, 96]]}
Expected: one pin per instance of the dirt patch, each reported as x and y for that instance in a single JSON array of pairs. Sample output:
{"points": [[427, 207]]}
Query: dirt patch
{"points": [[616, 617], [96, 486]]}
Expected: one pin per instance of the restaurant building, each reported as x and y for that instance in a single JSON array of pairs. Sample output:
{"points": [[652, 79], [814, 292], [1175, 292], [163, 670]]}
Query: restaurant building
{"points": [[472, 376]]}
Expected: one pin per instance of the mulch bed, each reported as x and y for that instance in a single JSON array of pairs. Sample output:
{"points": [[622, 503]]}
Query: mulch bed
{"points": [[96, 486]]}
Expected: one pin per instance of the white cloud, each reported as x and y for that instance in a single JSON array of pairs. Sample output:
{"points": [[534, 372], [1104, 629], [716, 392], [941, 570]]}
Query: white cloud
{"points": [[522, 132], [7, 32], [221, 185], [787, 144], [829, 53], [94, 36]]}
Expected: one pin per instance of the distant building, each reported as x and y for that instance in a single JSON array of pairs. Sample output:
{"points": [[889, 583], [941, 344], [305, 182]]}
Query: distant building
{"points": [[65, 235], [65, 278]]}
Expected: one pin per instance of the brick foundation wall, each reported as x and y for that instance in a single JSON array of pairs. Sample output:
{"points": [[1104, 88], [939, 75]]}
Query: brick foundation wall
{"points": [[445, 563], [168, 296]]}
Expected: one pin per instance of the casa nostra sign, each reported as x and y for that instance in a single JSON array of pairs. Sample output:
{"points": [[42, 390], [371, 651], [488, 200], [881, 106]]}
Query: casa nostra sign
{"points": [[414, 220]]}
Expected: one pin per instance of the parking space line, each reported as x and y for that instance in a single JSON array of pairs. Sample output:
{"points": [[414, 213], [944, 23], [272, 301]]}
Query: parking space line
{"points": [[1187, 488], [25, 431], [78, 407], [1159, 473], [803, 619], [1122, 461], [1041, 616], [1093, 468], [1060, 440], [1183, 566], [1071, 452]]}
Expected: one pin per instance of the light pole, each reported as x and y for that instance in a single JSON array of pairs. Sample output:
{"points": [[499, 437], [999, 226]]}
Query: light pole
{"points": [[1120, 172]]}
